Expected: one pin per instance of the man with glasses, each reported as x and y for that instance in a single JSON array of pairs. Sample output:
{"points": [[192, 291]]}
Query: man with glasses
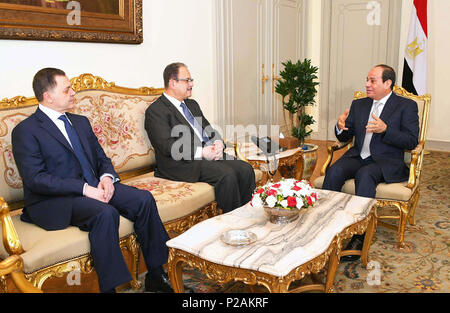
{"points": [[188, 149]]}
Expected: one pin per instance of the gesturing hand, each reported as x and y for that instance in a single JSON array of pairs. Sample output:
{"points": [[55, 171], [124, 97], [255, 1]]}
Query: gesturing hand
{"points": [[341, 120], [376, 126]]}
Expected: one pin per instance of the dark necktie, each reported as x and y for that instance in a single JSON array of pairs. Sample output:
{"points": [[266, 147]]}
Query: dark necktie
{"points": [[88, 173], [193, 121]]}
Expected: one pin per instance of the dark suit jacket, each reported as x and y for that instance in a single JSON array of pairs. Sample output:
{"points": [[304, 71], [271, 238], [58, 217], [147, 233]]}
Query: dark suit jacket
{"points": [[174, 140], [50, 171], [401, 118]]}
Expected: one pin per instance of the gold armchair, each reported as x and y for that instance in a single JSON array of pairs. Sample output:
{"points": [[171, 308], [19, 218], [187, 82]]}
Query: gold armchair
{"points": [[403, 196]]}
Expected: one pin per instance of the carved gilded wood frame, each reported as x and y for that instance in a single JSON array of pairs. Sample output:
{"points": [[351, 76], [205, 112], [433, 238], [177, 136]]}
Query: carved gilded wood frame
{"points": [[113, 21]]}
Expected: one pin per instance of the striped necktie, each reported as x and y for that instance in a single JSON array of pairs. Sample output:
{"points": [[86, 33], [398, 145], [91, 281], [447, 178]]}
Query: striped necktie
{"points": [[194, 122]]}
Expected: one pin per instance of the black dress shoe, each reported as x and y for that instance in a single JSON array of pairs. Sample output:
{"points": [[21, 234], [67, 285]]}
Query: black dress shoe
{"points": [[160, 283], [355, 244]]}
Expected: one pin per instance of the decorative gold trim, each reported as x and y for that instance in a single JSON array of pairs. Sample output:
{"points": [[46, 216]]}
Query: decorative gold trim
{"points": [[85, 265], [11, 240], [13, 265], [80, 83], [180, 225], [223, 274], [91, 82]]}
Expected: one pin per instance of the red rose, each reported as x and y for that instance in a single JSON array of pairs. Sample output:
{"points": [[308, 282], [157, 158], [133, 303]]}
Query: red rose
{"points": [[292, 201], [310, 202], [296, 188], [276, 186], [271, 192], [260, 190]]}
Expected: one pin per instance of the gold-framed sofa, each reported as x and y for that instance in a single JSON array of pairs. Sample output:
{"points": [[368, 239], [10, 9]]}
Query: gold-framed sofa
{"points": [[117, 118]]}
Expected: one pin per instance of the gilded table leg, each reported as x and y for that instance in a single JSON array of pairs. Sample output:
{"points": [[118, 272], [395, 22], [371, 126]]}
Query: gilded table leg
{"points": [[370, 231], [333, 263], [174, 271]]}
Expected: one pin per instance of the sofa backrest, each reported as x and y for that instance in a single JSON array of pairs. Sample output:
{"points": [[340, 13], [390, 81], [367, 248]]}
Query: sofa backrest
{"points": [[116, 115]]}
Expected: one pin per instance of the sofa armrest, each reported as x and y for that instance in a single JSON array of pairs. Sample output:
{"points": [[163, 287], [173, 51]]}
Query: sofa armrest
{"points": [[337, 145], [13, 265], [11, 240]]}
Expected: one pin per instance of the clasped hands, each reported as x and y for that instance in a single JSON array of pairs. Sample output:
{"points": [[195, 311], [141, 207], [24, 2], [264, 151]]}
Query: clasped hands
{"points": [[375, 126], [214, 152], [103, 192]]}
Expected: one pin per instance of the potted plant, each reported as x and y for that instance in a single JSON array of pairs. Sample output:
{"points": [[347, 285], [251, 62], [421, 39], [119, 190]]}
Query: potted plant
{"points": [[297, 88]]}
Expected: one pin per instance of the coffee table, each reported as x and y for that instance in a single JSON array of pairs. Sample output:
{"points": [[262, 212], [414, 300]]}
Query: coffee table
{"points": [[281, 254]]}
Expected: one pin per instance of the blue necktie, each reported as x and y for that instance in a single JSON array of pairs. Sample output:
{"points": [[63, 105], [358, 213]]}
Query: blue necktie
{"points": [[79, 152], [193, 121]]}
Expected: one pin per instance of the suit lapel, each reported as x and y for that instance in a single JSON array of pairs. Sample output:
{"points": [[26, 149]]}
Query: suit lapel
{"points": [[52, 129], [389, 107], [82, 136], [181, 119]]}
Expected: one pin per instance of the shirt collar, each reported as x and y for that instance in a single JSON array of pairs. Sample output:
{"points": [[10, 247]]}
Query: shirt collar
{"points": [[384, 99], [52, 114], [172, 100]]}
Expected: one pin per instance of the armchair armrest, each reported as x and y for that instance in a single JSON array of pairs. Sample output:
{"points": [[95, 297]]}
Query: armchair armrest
{"points": [[337, 145], [14, 265], [237, 149], [11, 240], [413, 167]]}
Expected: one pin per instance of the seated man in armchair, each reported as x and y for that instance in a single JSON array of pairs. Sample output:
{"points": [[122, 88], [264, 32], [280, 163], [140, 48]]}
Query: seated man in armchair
{"points": [[383, 125]]}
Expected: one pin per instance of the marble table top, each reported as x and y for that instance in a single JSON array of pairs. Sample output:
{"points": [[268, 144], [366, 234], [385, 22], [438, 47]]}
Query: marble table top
{"points": [[278, 248], [252, 152]]}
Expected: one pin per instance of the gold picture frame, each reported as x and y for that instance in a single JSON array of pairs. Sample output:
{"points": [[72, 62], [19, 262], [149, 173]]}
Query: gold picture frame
{"points": [[109, 21]]}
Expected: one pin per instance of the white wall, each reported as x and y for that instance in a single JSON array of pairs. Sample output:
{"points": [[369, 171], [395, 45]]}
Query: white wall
{"points": [[174, 30]]}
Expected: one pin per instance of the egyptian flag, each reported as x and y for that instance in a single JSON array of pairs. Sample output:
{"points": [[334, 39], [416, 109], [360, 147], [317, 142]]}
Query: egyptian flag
{"points": [[415, 66]]}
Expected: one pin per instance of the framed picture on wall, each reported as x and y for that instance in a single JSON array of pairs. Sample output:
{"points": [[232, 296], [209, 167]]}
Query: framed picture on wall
{"points": [[114, 21]]}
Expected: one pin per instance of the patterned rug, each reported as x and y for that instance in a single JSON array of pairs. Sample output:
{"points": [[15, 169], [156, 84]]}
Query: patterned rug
{"points": [[422, 266]]}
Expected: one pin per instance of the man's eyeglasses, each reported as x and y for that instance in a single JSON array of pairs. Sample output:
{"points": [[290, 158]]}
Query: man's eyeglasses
{"points": [[187, 80]]}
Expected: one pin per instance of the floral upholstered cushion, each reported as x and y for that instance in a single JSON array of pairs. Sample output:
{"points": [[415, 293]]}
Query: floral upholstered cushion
{"points": [[11, 183], [118, 122], [174, 199]]}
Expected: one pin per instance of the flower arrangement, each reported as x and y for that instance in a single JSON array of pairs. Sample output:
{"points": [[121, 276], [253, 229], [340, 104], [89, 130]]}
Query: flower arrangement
{"points": [[289, 194]]}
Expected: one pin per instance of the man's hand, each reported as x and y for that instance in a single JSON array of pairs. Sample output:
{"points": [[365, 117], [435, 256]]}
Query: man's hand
{"points": [[376, 126], [341, 120], [218, 148], [94, 193], [106, 184], [208, 152]]}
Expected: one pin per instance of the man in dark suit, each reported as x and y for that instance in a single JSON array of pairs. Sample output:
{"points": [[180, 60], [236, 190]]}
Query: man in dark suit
{"points": [[383, 126], [188, 149], [68, 180]]}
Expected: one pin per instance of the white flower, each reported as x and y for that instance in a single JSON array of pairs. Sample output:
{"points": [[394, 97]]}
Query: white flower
{"points": [[284, 203], [271, 201], [257, 202], [299, 203]]}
